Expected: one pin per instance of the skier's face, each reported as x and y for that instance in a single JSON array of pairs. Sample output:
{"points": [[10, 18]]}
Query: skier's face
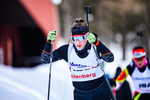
{"points": [[80, 44], [139, 61]]}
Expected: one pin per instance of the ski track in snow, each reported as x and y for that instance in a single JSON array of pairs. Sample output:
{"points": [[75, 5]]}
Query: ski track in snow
{"points": [[32, 83]]}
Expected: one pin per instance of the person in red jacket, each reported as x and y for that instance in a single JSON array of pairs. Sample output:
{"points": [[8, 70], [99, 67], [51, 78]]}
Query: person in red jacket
{"points": [[86, 73], [139, 70]]}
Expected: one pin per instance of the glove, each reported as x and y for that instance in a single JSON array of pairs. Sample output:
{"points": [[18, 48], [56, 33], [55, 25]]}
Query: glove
{"points": [[51, 35], [91, 37], [118, 85]]}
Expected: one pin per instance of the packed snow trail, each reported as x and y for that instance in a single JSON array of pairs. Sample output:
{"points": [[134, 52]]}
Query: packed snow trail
{"points": [[32, 83]]}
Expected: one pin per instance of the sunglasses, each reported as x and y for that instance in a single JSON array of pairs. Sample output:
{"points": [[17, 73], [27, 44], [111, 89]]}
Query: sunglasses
{"points": [[79, 38], [139, 59]]}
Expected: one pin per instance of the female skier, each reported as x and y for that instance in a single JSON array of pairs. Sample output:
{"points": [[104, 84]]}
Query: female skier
{"points": [[139, 70], [86, 74]]}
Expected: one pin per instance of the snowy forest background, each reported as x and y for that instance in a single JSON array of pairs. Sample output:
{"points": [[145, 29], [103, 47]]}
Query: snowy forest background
{"points": [[115, 21]]}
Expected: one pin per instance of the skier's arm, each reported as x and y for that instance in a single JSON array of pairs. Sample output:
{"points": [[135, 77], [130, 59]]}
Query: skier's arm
{"points": [[102, 50], [58, 54], [122, 77], [45, 56]]}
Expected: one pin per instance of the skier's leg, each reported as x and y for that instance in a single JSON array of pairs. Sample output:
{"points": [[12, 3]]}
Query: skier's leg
{"points": [[101, 93], [82, 95]]}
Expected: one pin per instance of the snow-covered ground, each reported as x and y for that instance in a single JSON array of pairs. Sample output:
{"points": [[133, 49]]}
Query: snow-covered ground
{"points": [[32, 83]]}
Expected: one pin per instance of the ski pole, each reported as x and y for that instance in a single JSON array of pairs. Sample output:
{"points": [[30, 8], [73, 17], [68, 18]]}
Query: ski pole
{"points": [[139, 34], [105, 77], [51, 56], [87, 10]]}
